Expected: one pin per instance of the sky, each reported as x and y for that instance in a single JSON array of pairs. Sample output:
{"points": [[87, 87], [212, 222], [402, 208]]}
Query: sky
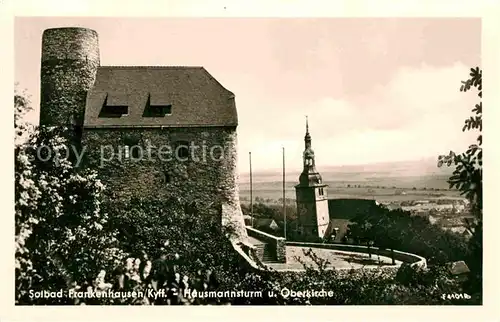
{"points": [[374, 89]]}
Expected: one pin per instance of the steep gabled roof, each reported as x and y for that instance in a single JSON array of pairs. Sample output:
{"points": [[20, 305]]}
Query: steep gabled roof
{"points": [[265, 222], [194, 96]]}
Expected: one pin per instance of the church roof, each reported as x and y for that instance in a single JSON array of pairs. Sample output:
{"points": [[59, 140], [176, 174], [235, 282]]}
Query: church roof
{"points": [[348, 208], [191, 95], [341, 224]]}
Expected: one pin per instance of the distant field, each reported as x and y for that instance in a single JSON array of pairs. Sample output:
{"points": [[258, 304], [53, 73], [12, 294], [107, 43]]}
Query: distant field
{"points": [[395, 181], [368, 180], [383, 195], [382, 189]]}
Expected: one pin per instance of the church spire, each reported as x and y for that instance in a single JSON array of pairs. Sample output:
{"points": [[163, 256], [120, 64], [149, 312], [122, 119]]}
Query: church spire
{"points": [[312, 202], [307, 138], [308, 155]]}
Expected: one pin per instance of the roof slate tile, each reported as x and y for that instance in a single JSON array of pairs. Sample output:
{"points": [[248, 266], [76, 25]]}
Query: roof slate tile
{"points": [[197, 98]]}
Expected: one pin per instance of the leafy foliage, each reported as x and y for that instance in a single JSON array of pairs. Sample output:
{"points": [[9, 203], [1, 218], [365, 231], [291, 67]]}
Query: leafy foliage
{"points": [[198, 237], [192, 235], [468, 174], [468, 178], [60, 231], [399, 230], [22, 105], [261, 210]]}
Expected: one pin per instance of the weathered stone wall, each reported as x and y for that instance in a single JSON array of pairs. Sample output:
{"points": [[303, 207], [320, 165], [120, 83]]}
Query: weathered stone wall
{"points": [[70, 43], [281, 250], [259, 252], [209, 176], [70, 58], [277, 243]]}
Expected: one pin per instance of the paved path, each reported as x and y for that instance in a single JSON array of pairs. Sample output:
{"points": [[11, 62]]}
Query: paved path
{"points": [[338, 259]]}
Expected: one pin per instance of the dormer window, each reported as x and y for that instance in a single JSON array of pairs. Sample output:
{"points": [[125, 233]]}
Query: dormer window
{"points": [[114, 111], [115, 105], [157, 106], [161, 110]]}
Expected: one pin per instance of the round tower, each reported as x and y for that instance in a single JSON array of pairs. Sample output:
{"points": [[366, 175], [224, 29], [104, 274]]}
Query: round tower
{"points": [[70, 58]]}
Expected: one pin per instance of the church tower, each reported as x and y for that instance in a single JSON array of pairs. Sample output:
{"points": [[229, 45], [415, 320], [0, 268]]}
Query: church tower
{"points": [[311, 196]]}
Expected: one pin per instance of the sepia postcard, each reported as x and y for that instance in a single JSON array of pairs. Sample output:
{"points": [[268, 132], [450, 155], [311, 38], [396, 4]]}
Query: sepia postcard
{"points": [[238, 160]]}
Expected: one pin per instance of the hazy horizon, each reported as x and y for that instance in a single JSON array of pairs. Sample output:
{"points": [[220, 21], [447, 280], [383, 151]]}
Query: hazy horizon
{"points": [[375, 89], [398, 169]]}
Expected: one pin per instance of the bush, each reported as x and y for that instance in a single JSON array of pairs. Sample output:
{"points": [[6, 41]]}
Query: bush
{"points": [[399, 230], [61, 234]]}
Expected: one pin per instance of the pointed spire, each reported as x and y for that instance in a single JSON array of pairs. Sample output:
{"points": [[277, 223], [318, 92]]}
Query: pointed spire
{"points": [[307, 137]]}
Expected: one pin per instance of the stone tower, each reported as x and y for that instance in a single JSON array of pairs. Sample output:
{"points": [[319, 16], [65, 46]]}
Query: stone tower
{"points": [[311, 196], [152, 109], [70, 59]]}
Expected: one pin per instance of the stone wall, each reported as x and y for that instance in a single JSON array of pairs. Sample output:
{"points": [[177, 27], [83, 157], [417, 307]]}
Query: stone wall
{"points": [[278, 244], [208, 176], [247, 257], [70, 43]]}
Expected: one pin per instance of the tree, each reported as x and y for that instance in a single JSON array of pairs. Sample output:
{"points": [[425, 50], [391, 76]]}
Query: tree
{"points": [[144, 225], [22, 105], [362, 231], [399, 230], [467, 176], [60, 231]]}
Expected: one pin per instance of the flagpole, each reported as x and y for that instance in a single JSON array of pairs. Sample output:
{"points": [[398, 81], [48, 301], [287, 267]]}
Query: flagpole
{"points": [[284, 196], [251, 189]]}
